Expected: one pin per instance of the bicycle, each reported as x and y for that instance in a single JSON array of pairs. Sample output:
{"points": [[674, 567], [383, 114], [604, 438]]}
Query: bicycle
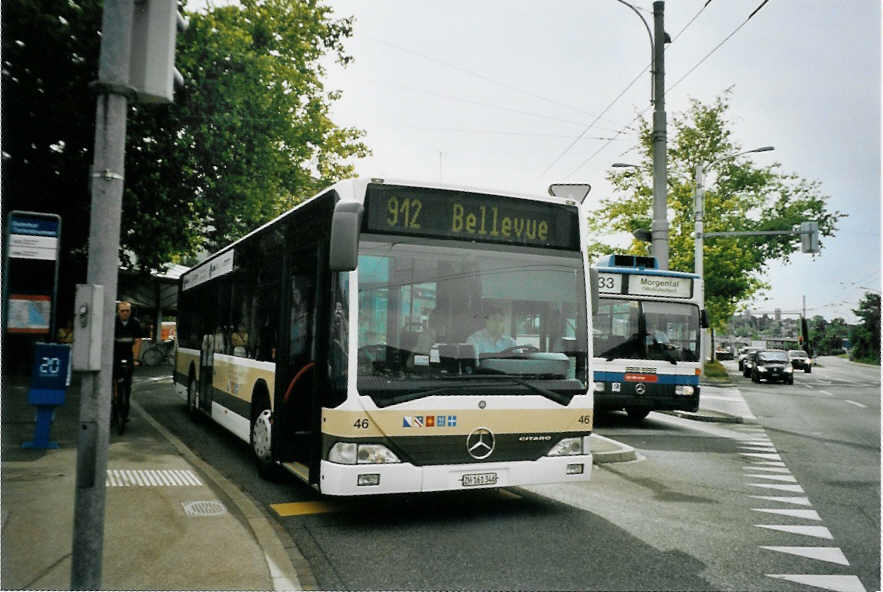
{"points": [[157, 353], [122, 390]]}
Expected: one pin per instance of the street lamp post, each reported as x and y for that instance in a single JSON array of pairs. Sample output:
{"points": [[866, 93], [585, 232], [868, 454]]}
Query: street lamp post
{"points": [[699, 214], [659, 227]]}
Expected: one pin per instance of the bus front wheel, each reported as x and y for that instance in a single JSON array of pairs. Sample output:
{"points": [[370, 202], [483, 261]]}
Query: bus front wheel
{"points": [[261, 438]]}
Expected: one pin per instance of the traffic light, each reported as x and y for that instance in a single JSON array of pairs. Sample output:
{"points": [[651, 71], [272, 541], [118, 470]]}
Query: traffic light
{"points": [[809, 237], [152, 65]]}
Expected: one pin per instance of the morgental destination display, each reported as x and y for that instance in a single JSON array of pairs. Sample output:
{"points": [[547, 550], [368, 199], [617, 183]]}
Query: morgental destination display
{"points": [[391, 209], [636, 284]]}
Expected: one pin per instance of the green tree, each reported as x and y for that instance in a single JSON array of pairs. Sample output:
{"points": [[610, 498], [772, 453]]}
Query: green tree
{"points": [[248, 137], [865, 336], [740, 196]]}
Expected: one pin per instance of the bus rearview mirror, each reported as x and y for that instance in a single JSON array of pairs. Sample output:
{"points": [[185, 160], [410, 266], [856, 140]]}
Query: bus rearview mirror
{"points": [[703, 319], [594, 278], [345, 224]]}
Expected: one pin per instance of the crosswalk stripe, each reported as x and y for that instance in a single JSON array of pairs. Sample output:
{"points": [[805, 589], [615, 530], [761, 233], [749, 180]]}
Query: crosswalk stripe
{"points": [[766, 469], [791, 488], [785, 478], [762, 455], [766, 463], [800, 501], [829, 554], [836, 583], [813, 531], [804, 514]]}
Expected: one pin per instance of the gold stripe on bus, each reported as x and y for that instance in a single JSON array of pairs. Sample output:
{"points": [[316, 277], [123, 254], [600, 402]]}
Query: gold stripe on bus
{"points": [[238, 379], [183, 361], [355, 424]]}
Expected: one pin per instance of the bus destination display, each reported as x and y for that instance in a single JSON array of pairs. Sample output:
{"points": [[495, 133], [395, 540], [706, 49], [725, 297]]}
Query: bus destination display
{"points": [[391, 209]]}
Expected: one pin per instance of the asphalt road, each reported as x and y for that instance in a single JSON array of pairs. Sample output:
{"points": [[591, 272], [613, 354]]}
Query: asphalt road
{"points": [[682, 517]]}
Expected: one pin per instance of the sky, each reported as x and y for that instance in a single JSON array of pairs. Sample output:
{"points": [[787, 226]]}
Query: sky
{"points": [[493, 94]]}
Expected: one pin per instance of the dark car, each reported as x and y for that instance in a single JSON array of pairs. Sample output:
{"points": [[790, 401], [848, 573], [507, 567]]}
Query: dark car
{"points": [[771, 365], [745, 355], [800, 360]]}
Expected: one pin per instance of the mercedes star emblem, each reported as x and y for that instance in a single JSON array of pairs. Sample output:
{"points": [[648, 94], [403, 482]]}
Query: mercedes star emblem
{"points": [[640, 388], [480, 443]]}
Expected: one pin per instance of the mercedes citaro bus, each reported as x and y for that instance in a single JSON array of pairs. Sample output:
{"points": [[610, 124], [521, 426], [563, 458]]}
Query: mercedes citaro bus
{"points": [[386, 336]]}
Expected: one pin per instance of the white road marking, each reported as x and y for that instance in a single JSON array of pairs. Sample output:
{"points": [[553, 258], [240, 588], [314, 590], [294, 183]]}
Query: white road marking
{"points": [[805, 514], [766, 463], [785, 478], [800, 501], [762, 455], [856, 404], [829, 554], [767, 469], [791, 488], [151, 478], [837, 583], [826, 393], [813, 531]]}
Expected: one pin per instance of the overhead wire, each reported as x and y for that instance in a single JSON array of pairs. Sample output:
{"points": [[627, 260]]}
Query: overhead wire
{"points": [[612, 103], [690, 71]]}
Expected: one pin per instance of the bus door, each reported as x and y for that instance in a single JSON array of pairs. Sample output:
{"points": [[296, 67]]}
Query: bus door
{"points": [[206, 373], [297, 405]]}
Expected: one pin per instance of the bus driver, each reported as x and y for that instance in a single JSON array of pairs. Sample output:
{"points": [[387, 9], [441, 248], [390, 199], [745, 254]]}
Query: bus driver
{"points": [[491, 339]]}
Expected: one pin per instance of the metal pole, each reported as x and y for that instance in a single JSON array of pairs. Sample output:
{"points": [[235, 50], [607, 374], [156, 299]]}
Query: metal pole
{"points": [[104, 239], [659, 228], [698, 243]]}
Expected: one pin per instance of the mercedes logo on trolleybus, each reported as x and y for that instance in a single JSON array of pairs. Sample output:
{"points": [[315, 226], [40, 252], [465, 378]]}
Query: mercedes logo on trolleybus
{"points": [[480, 443], [640, 388]]}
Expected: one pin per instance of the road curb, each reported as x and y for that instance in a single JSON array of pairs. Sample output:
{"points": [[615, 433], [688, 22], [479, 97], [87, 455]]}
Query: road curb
{"points": [[611, 451], [279, 564]]}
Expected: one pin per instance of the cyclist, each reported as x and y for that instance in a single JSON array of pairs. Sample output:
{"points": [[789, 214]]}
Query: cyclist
{"points": [[127, 332]]}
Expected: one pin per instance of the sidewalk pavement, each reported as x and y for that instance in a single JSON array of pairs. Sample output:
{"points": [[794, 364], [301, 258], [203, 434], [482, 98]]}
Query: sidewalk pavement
{"points": [[171, 521]]}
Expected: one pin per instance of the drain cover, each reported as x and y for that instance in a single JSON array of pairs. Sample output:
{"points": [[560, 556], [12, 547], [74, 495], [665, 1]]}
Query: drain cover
{"points": [[204, 508]]}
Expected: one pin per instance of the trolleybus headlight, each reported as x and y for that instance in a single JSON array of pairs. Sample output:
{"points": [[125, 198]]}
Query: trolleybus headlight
{"points": [[683, 389], [761, 368], [789, 369], [599, 387], [350, 453], [567, 447]]}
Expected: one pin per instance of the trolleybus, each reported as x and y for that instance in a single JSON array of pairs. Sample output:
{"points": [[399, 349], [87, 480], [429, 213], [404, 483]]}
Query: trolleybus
{"points": [[646, 337], [387, 336]]}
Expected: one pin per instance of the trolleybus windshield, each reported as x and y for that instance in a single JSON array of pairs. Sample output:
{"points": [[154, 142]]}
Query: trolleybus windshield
{"points": [[646, 330], [437, 318]]}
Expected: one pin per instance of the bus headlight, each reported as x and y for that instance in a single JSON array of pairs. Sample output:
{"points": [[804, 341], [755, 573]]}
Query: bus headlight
{"points": [[683, 389], [761, 369], [567, 447], [350, 453], [599, 387], [789, 369]]}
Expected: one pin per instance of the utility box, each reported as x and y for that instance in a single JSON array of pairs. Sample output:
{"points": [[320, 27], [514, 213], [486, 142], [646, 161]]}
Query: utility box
{"points": [[88, 325], [152, 62], [809, 237]]}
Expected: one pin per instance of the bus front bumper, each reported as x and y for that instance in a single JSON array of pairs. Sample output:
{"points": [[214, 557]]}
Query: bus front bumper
{"points": [[339, 479]]}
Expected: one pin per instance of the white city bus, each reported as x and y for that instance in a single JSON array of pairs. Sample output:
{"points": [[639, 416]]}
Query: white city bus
{"points": [[343, 340], [646, 337]]}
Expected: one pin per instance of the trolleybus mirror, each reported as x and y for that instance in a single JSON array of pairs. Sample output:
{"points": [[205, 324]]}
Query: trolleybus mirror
{"points": [[594, 278], [703, 319], [345, 224]]}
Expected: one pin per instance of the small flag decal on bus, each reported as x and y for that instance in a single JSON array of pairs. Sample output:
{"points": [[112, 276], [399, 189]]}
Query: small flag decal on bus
{"points": [[429, 421]]}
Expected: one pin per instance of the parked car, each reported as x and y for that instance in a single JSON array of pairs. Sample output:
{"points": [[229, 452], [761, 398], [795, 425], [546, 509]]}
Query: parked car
{"points": [[723, 352], [771, 365], [744, 354], [800, 360]]}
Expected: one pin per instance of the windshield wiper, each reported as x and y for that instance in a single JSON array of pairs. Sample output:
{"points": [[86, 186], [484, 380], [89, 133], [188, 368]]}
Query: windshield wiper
{"points": [[497, 379]]}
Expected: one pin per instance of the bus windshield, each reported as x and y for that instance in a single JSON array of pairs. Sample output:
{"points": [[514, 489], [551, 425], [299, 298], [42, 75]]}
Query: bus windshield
{"points": [[434, 315], [646, 330]]}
